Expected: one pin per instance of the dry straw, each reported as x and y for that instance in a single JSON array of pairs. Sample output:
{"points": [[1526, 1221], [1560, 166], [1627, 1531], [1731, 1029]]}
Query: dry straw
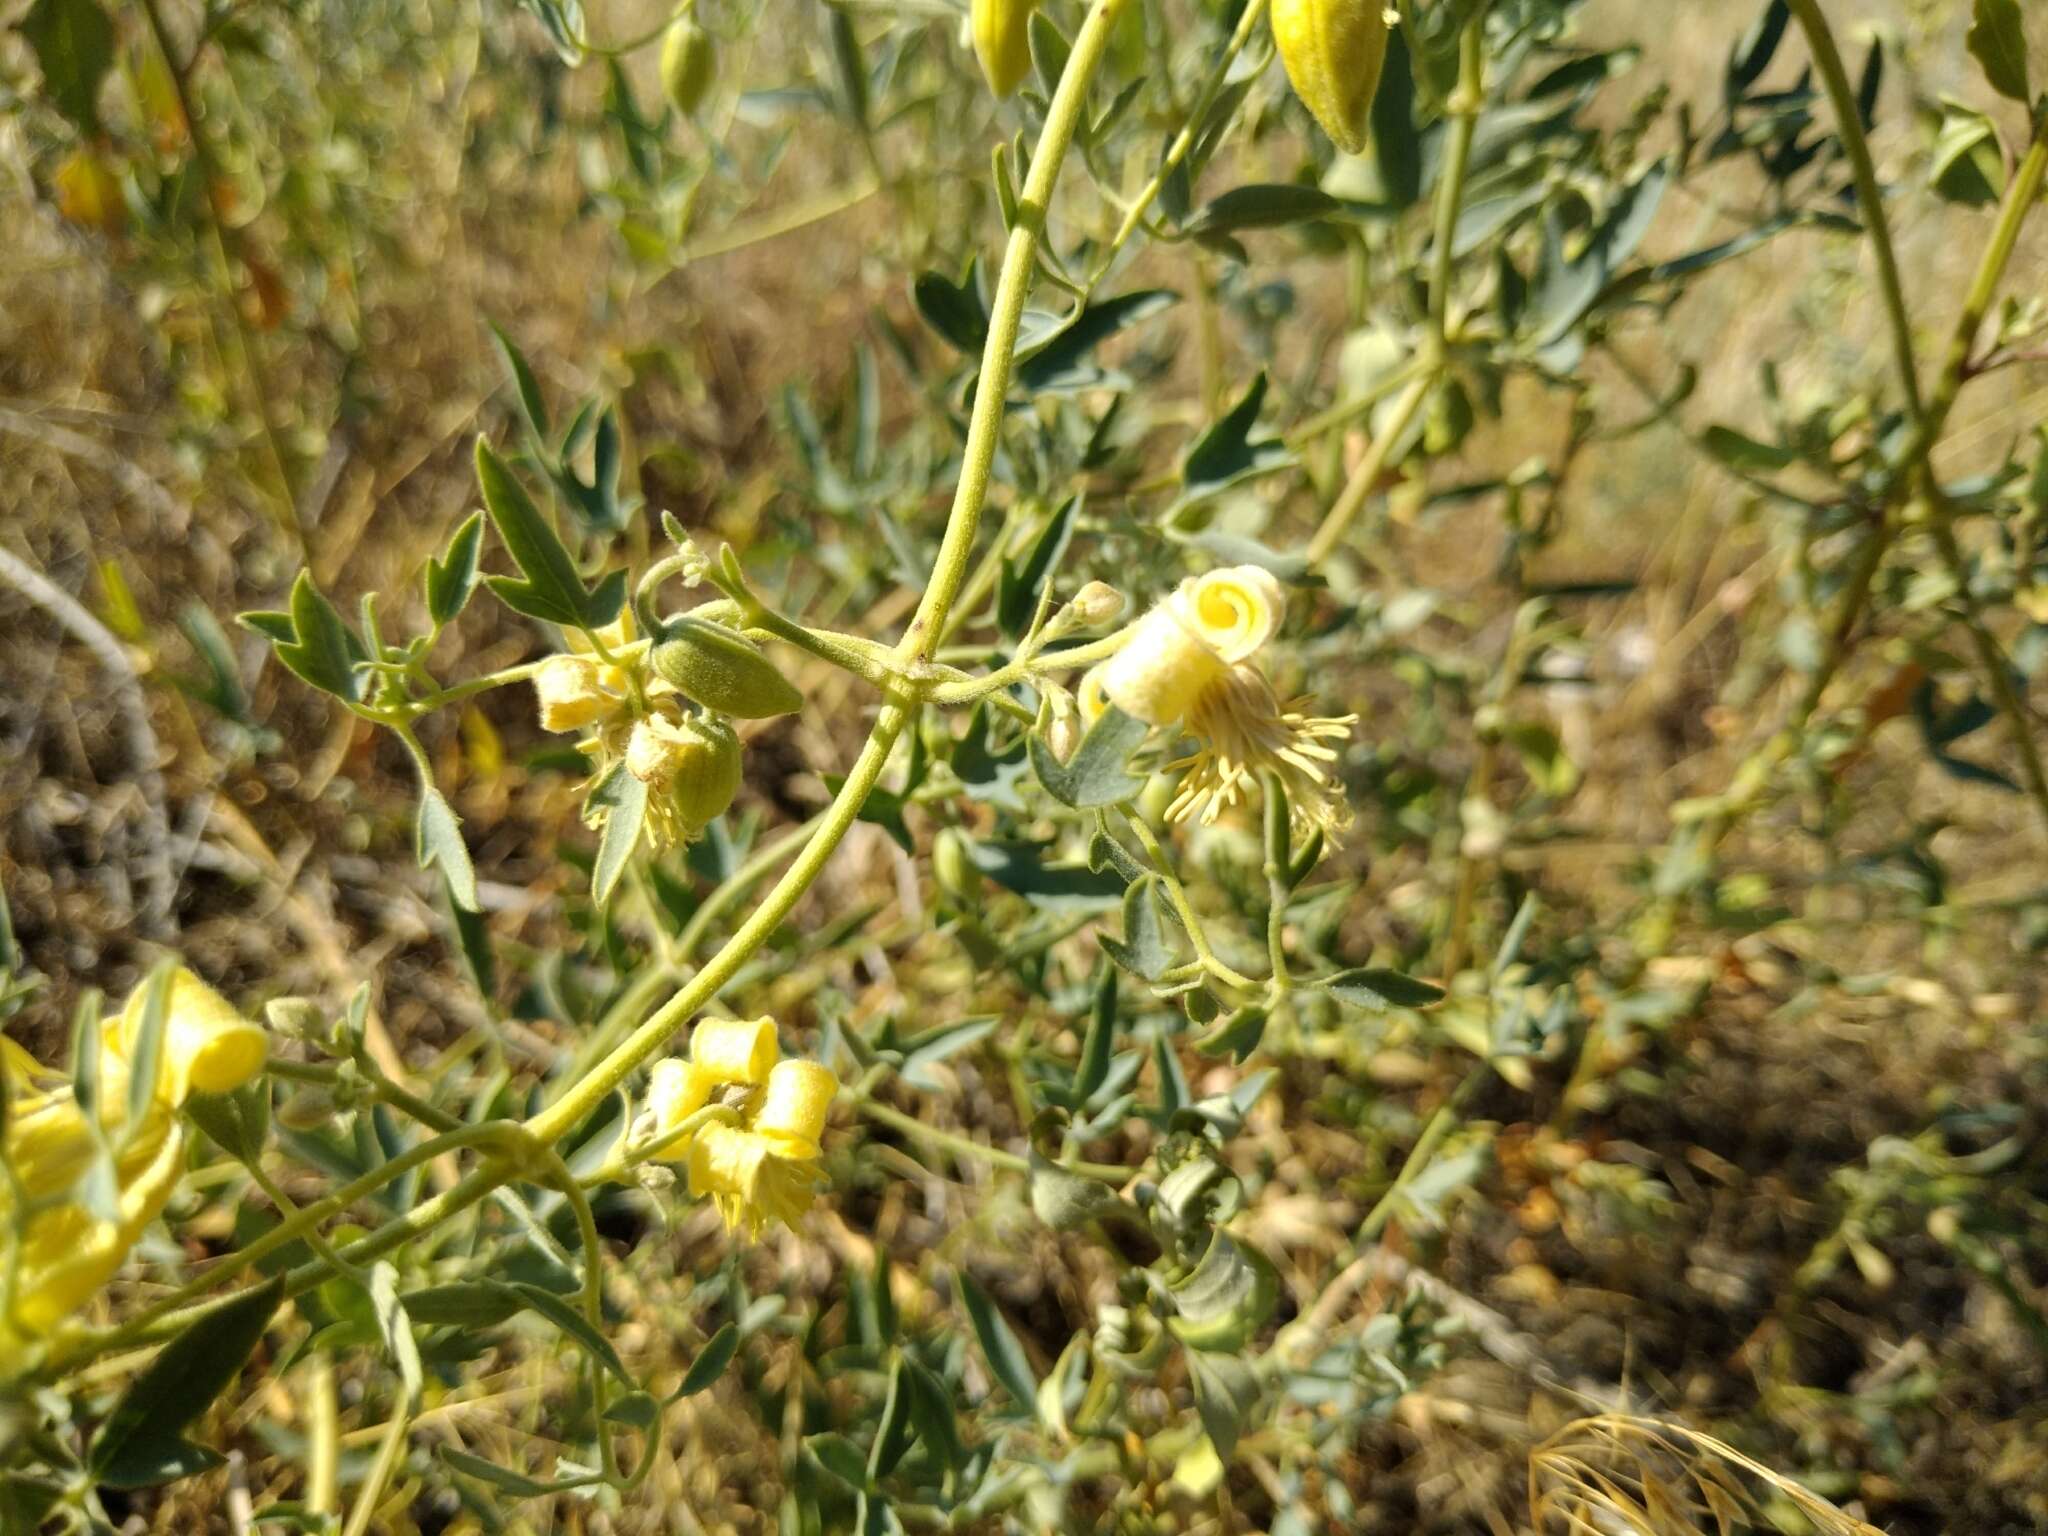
{"points": [[1622, 1475]]}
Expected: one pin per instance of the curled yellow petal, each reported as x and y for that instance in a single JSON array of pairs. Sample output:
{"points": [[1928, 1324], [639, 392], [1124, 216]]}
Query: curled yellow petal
{"points": [[735, 1050], [208, 1047], [1161, 669], [797, 1102], [676, 1090], [1235, 611]]}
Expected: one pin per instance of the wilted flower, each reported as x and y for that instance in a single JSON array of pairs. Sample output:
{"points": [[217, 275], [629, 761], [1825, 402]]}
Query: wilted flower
{"points": [[1188, 663], [60, 1247], [1240, 728], [578, 689], [761, 1167], [691, 767]]}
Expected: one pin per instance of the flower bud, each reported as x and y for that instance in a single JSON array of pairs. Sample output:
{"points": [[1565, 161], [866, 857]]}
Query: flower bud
{"points": [[1002, 41], [954, 870], [569, 693], [722, 671], [735, 1050], [1333, 51], [299, 1017], [687, 60], [1096, 604], [691, 768]]}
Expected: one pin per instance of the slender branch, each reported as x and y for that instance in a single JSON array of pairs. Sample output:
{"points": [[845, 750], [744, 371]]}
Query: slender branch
{"points": [[143, 753], [1827, 58]]}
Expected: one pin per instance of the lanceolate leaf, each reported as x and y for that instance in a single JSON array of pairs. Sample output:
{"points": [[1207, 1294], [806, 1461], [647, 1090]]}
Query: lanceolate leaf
{"points": [[73, 43], [1227, 454], [1998, 41], [1377, 988], [1007, 1361], [186, 1376], [623, 800], [451, 576], [437, 839]]}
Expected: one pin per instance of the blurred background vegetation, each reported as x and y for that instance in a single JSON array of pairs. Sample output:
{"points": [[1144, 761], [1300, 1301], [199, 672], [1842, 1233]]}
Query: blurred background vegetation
{"points": [[1780, 1167]]}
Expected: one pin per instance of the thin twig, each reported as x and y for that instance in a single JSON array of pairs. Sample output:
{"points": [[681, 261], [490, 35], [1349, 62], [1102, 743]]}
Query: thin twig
{"points": [[143, 752]]}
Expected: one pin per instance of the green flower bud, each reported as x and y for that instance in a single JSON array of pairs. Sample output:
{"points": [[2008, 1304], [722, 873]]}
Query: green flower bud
{"points": [[722, 671], [954, 871], [687, 62]]}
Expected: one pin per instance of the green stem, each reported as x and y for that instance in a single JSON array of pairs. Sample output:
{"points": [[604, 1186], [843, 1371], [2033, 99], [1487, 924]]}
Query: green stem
{"points": [[1108, 1173], [1370, 468], [998, 358], [1465, 104], [1827, 58]]}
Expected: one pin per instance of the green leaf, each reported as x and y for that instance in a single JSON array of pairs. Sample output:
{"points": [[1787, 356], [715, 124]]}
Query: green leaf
{"points": [[893, 1433], [150, 1460], [1966, 165], [1262, 205], [1006, 1359], [551, 589], [1225, 1392], [637, 1410], [74, 47], [1049, 50], [1997, 40], [1376, 988], [451, 577], [182, 1381], [936, 1045], [518, 1484], [1746, 453], [1227, 455], [954, 310], [462, 1304], [572, 1322], [623, 800], [1237, 1036], [533, 409], [1055, 359], [1396, 147], [145, 1056], [1022, 868], [1096, 774], [1021, 582], [711, 1360], [1143, 950], [320, 647], [238, 1122], [931, 1406], [1093, 1069], [437, 839]]}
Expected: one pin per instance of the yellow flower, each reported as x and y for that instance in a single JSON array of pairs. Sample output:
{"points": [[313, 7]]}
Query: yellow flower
{"points": [[59, 1250], [753, 1179], [762, 1166], [1188, 664], [691, 767], [571, 695], [1204, 626]]}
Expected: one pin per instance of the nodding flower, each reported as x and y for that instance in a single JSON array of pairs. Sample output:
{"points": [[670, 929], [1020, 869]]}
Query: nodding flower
{"points": [[762, 1165], [691, 767], [59, 1246], [1188, 664]]}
